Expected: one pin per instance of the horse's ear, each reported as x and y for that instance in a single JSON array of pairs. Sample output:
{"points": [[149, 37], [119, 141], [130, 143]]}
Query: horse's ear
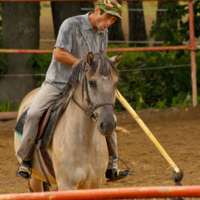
{"points": [[116, 59], [90, 58]]}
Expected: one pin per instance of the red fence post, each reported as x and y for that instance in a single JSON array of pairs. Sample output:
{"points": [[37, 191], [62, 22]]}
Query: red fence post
{"points": [[192, 54]]}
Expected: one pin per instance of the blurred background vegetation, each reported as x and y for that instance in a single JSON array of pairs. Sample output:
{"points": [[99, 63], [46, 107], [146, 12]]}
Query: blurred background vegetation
{"points": [[156, 79]]}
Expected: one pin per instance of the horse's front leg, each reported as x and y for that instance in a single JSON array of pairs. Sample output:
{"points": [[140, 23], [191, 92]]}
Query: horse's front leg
{"points": [[68, 176], [65, 186], [97, 185], [36, 185], [65, 181]]}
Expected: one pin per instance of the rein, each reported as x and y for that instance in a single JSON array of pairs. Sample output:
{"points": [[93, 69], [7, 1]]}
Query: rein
{"points": [[91, 106]]}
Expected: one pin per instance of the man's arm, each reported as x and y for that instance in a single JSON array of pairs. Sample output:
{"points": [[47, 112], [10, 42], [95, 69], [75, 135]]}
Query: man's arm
{"points": [[65, 57]]}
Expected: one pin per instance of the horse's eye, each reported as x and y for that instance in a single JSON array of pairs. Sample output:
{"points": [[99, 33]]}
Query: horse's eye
{"points": [[92, 83]]}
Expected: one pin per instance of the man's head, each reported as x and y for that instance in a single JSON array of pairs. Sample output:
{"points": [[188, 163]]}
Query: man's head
{"points": [[105, 14], [111, 7]]}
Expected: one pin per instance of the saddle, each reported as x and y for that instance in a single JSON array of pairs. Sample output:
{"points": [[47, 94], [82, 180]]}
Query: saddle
{"points": [[46, 129]]}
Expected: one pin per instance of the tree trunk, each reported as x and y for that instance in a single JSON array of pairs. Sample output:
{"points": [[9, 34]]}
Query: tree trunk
{"points": [[159, 15], [62, 10], [87, 4], [115, 30], [137, 29], [20, 31]]}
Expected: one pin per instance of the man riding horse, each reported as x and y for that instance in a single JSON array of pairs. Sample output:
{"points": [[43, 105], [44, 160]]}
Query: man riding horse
{"points": [[77, 36]]}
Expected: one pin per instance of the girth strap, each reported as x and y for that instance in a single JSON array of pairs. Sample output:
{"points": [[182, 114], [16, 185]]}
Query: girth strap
{"points": [[41, 166]]}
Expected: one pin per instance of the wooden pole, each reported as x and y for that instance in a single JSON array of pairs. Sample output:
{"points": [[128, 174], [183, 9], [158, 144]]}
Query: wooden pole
{"points": [[146, 130]]}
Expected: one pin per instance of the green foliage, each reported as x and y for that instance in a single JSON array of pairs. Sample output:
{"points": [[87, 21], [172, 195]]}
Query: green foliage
{"points": [[5, 106], [180, 99], [40, 64], [161, 104], [146, 84], [2, 67], [143, 81], [198, 99], [167, 26]]}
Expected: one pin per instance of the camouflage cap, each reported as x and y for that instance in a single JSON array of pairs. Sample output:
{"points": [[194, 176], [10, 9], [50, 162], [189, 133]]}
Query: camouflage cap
{"points": [[112, 7]]}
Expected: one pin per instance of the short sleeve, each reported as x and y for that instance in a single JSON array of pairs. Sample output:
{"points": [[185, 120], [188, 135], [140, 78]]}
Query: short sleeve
{"points": [[65, 35]]}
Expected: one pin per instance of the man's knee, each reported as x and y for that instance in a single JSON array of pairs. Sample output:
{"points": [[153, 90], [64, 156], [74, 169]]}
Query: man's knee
{"points": [[33, 116]]}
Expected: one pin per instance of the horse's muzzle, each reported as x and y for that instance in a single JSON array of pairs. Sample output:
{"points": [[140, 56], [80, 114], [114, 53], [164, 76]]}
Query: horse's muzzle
{"points": [[107, 128]]}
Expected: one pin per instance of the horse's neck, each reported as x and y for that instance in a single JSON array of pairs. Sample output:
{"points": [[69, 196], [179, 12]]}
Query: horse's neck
{"points": [[80, 124]]}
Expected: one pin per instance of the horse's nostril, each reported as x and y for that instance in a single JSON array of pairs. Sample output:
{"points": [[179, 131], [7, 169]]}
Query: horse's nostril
{"points": [[107, 128], [102, 127]]}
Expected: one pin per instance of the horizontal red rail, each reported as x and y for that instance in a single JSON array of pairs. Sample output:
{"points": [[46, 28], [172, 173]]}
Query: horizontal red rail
{"points": [[8, 115], [37, 51], [111, 193], [33, 51], [87, 0]]}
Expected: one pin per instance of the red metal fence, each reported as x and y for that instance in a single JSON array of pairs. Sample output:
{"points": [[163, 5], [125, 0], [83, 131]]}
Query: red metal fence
{"points": [[131, 192], [192, 47], [111, 193]]}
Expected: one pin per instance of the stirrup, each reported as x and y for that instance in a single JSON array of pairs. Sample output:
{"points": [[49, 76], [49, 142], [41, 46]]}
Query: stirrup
{"points": [[115, 174], [24, 172]]}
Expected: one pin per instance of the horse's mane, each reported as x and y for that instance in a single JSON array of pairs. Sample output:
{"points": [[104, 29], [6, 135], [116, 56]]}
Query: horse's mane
{"points": [[80, 67]]}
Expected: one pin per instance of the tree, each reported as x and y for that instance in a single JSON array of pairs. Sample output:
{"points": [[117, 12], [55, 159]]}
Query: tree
{"points": [[162, 20], [20, 31], [159, 15], [62, 10], [137, 29], [115, 30], [174, 26]]}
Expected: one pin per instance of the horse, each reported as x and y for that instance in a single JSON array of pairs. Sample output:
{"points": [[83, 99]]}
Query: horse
{"points": [[78, 149]]}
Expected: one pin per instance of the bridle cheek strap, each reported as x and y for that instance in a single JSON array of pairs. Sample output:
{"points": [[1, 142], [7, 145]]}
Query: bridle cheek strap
{"points": [[91, 106]]}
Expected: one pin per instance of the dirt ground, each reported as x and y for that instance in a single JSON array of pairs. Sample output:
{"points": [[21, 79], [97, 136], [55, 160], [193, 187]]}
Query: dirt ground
{"points": [[177, 129]]}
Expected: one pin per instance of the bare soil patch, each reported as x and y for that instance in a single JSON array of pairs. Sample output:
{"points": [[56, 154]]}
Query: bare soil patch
{"points": [[177, 129]]}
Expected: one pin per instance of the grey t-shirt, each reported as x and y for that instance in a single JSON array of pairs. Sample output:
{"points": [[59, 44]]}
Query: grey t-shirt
{"points": [[76, 36]]}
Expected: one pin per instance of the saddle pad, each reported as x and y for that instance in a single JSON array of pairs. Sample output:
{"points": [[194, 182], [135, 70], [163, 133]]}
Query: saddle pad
{"points": [[49, 127], [20, 123]]}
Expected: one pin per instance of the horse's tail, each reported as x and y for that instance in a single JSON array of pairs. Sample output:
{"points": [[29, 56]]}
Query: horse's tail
{"points": [[122, 131]]}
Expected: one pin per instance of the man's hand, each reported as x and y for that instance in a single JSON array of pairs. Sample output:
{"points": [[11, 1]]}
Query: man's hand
{"points": [[65, 57]]}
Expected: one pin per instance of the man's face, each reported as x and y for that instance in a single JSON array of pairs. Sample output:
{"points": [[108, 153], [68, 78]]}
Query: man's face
{"points": [[104, 20]]}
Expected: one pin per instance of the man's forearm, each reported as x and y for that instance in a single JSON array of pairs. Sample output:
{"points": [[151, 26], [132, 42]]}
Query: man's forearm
{"points": [[65, 57]]}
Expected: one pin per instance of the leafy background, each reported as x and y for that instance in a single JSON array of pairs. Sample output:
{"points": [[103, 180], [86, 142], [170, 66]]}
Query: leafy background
{"points": [[143, 80]]}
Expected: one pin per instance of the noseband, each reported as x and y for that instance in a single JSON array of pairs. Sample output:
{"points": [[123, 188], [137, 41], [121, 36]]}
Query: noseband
{"points": [[91, 106]]}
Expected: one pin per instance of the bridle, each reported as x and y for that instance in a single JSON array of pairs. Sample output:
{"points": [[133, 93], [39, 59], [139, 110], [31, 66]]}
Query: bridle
{"points": [[91, 106]]}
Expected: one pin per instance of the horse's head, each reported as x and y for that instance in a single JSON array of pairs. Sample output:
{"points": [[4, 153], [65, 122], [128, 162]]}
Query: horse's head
{"points": [[96, 76], [99, 84]]}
